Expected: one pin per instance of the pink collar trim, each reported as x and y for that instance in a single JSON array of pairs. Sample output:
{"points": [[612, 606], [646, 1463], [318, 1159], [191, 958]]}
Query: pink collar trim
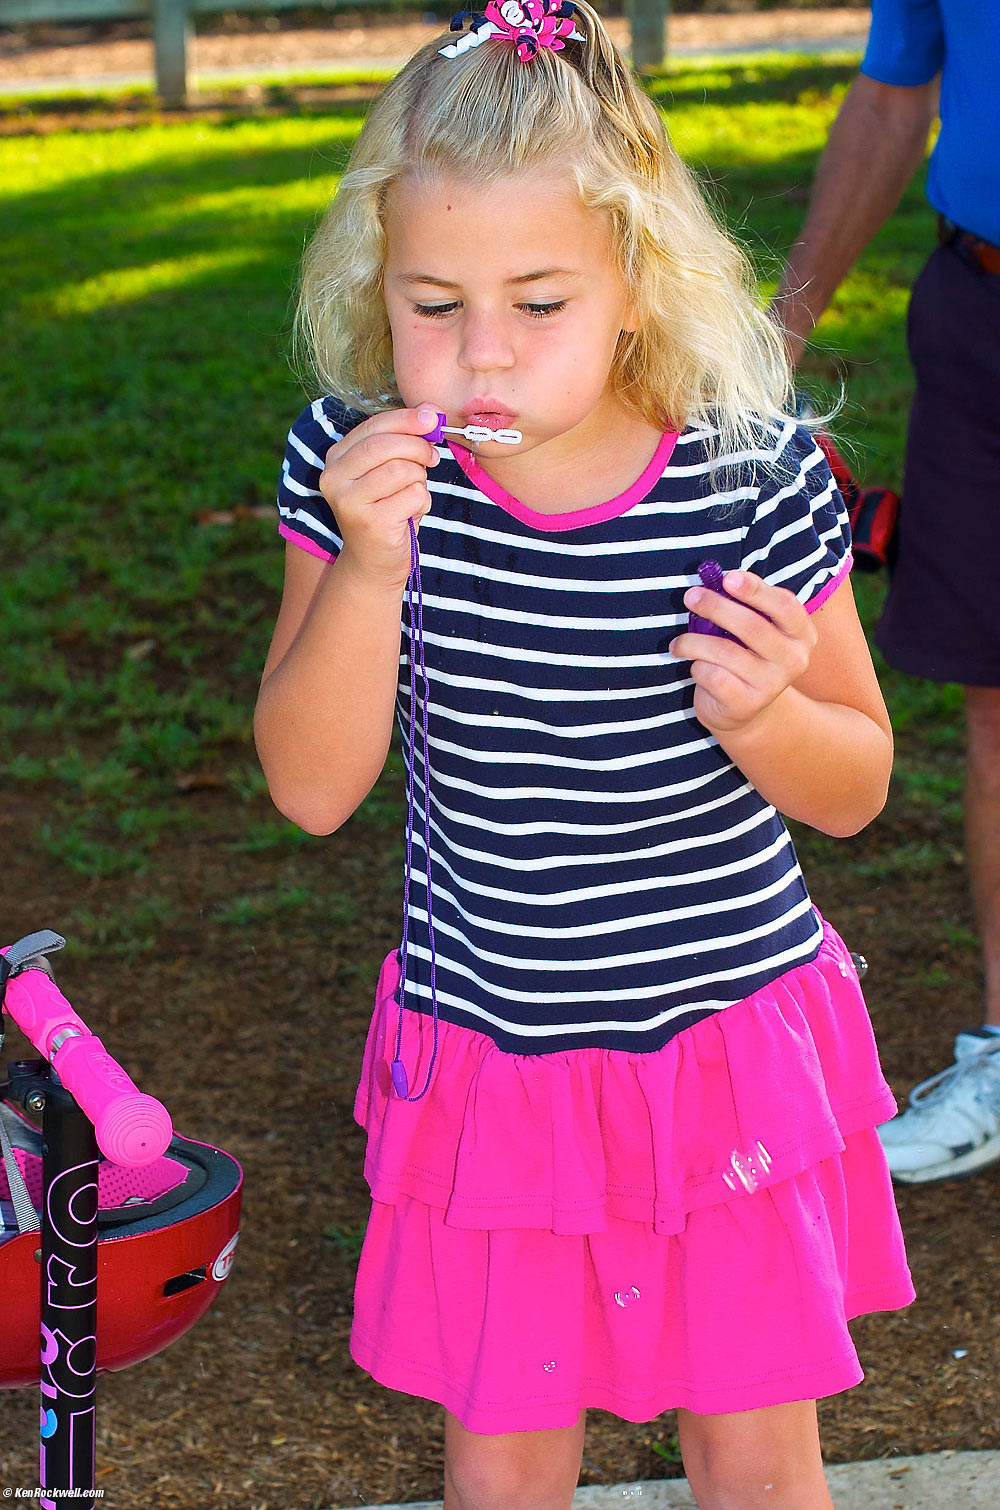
{"points": [[596, 514]]}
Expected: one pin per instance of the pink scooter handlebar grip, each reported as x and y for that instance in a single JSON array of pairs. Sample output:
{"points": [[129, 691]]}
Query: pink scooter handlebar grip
{"points": [[132, 1129], [40, 1009]]}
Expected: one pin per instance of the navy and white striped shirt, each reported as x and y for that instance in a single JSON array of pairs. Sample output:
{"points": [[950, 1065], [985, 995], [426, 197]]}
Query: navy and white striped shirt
{"points": [[603, 875]]}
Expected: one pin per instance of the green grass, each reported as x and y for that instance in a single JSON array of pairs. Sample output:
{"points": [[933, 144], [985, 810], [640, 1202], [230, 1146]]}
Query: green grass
{"points": [[148, 280]]}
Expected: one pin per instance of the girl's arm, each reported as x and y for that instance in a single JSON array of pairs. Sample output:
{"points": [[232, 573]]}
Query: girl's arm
{"points": [[323, 720], [797, 706]]}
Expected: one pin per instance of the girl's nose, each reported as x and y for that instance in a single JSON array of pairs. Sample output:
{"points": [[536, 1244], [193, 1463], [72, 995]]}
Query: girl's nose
{"points": [[485, 344]]}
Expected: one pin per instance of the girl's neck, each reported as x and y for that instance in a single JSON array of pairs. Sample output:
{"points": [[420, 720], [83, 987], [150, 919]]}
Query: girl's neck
{"points": [[557, 480]]}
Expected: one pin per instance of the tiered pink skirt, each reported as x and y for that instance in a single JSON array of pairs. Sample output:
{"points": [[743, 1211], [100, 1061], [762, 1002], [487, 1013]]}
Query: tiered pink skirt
{"points": [[690, 1227]]}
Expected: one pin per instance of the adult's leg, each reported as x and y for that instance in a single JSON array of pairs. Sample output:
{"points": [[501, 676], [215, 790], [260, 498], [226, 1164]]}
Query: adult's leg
{"points": [[519, 1470], [941, 620], [767, 1459], [953, 1128], [982, 830]]}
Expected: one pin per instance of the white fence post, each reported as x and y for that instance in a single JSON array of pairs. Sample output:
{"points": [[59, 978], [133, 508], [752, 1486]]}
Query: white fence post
{"points": [[648, 24], [171, 34]]}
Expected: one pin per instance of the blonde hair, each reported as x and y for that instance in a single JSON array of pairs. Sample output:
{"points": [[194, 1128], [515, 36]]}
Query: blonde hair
{"points": [[704, 354]]}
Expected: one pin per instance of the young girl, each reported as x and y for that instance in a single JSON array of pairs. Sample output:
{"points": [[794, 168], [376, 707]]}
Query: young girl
{"points": [[620, 1086]]}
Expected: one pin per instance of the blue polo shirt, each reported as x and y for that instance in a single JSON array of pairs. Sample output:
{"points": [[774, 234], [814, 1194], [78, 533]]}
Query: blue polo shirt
{"points": [[912, 40]]}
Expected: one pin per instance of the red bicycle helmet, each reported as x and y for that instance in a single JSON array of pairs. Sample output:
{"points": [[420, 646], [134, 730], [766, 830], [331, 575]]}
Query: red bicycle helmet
{"points": [[166, 1235]]}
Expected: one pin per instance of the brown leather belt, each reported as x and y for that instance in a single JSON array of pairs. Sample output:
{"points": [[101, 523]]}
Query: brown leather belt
{"points": [[984, 252]]}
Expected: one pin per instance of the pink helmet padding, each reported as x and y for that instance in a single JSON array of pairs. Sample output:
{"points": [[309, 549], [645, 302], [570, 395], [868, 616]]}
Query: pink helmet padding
{"points": [[115, 1184]]}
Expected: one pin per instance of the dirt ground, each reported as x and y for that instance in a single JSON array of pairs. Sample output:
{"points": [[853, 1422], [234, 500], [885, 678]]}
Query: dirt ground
{"points": [[81, 51], [253, 1034]]}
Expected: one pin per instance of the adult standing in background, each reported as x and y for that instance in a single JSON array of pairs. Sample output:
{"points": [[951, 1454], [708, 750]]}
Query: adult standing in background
{"points": [[942, 615]]}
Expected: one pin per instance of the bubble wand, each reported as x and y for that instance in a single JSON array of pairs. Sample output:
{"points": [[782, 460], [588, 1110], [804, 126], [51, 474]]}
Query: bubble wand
{"points": [[471, 432]]}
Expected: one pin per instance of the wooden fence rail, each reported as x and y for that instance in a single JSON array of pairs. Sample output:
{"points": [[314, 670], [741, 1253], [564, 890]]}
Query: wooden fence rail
{"points": [[172, 27]]}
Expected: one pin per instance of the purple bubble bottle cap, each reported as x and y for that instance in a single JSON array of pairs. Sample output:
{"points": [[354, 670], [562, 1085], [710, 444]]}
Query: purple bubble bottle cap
{"points": [[471, 432], [711, 575]]}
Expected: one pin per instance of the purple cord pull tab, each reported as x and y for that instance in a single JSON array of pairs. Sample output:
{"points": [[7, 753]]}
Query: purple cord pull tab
{"points": [[400, 1084]]}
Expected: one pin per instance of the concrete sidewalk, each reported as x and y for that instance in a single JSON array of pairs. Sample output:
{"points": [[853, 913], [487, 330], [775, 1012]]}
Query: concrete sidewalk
{"points": [[851, 42], [937, 1481]]}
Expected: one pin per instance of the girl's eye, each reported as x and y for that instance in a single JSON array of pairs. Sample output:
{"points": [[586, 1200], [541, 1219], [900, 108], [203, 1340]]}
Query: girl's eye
{"points": [[535, 311]]}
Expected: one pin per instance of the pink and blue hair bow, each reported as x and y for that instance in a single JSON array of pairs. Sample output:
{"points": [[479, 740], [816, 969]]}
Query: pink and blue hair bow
{"points": [[527, 24]]}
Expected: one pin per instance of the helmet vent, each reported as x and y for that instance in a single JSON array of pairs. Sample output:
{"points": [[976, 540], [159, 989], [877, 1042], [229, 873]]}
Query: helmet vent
{"points": [[181, 1282]]}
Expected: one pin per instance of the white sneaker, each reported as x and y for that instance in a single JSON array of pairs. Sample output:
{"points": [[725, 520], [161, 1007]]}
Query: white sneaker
{"points": [[952, 1124]]}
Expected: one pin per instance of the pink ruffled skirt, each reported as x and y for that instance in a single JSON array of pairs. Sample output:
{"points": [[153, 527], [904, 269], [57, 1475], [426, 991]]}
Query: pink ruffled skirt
{"points": [[690, 1227]]}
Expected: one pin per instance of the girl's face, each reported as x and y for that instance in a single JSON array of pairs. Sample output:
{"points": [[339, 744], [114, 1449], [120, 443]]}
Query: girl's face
{"points": [[468, 325]]}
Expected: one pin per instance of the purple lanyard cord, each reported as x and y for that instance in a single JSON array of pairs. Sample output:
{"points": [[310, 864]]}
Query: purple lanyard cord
{"points": [[400, 1082]]}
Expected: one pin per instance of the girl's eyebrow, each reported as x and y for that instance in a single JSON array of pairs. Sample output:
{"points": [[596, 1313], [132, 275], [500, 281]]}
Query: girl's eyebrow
{"points": [[545, 272]]}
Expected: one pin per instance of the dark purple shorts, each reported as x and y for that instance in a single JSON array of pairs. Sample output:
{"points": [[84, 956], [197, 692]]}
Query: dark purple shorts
{"points": [[942, 615]]}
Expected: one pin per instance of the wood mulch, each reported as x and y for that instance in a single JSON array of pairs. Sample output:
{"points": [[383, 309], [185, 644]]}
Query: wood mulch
{"points": [[252, 1034]]}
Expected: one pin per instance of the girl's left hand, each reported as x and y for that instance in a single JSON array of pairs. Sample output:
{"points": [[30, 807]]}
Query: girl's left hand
{"points": [[735, 683]]}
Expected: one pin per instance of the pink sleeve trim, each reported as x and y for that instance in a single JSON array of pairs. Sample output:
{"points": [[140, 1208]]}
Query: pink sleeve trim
{"points": [[831, 586], [305, 544]]}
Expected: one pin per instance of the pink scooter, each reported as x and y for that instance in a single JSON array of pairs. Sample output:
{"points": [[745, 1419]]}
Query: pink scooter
{"points": [[115, 1234]]}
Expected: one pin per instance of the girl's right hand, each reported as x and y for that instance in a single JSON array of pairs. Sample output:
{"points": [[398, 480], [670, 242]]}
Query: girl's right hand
{"points": [[375, 480]]}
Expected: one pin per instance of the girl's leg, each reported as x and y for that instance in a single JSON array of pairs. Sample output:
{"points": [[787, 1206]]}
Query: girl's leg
{"points": [[755, 1459], [519, 1470]]}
